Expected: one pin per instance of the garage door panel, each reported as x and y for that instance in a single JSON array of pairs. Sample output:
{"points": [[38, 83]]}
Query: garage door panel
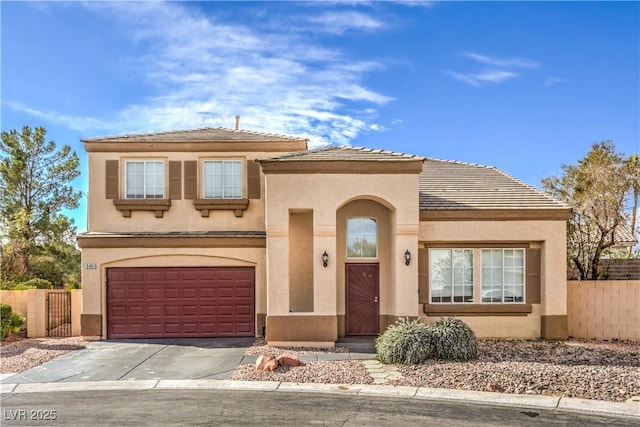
{"points": [[135, 276], [244, 295], [207, 293], [243, 310], [136, 311], [133, 292], [193, 293], [118, 311], [180, 302], [226, 293], [154, 276], [245, 327], [172, 276], [190, 275]]}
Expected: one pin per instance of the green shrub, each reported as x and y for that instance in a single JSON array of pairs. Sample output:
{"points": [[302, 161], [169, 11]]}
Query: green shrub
{"points": [[72, 284], [9, 285], [16, 286], [407, 342], [17, 322], [5, 320], [452, 339], [38, 283]]}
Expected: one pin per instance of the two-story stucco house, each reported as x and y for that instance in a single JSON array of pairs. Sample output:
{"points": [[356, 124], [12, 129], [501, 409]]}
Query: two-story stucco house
{"points": [[221, 232]]}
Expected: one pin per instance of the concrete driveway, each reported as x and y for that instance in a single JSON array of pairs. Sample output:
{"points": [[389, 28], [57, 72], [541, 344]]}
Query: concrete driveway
{"points": [[140, 359]]}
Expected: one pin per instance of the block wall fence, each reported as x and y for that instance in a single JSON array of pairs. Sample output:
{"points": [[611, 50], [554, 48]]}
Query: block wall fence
{"points": [[604, 309], [31, 304]]}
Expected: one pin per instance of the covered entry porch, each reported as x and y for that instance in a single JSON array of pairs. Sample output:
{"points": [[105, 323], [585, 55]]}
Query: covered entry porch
{"points": [[339, 248]]}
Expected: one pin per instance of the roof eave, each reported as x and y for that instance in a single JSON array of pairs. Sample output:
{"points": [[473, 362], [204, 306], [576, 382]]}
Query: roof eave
{"points": [[508, 214], [194, 146], [405, 166], [170, 240]]}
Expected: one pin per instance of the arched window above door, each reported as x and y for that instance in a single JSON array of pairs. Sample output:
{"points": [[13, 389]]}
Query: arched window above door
{"points": [[362, 238]]}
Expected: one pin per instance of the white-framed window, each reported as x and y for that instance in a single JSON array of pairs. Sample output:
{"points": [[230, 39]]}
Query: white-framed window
{"points": [[451, 275], [503, 275], [362, 238], [222, 179], [144, 179]]}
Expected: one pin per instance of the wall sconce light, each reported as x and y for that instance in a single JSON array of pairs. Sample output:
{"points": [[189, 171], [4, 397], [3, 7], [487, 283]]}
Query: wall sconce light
{"points": [[407, 257], [325, 259]]}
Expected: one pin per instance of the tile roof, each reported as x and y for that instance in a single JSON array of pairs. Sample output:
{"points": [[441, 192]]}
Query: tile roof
{"points": [[341, 153], [198, 135], [622, 236], [456, 185]]}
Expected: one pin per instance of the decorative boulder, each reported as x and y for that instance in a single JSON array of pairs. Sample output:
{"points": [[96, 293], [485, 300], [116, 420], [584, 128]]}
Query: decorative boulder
{"points": [[288, 360], [266, 363]]}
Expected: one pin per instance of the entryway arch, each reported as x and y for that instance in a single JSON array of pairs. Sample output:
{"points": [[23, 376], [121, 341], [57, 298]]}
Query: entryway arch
{"points": [[364, 245]]}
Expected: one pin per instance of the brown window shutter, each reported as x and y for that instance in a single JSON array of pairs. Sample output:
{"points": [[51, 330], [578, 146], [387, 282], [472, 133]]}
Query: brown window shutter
{"points": [[533, 276], [190, 179], [253, 179], [175, 180], [111, 179], [423, 274]]}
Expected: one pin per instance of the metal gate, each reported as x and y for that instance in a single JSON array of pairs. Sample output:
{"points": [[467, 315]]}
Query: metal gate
{"points": [[59, 313]]}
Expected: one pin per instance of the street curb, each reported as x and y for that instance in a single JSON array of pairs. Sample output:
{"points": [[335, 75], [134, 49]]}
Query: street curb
{"points": [[631, 408]]}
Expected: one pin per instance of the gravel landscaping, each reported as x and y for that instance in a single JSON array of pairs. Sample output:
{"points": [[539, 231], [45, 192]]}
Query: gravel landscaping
{"points": [[18, 354], [573, 369], [582, 369]]}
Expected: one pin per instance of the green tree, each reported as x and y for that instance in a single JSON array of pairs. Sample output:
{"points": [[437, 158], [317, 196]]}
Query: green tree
{"points": [[633, 172], [598, 189], [35, 185]]}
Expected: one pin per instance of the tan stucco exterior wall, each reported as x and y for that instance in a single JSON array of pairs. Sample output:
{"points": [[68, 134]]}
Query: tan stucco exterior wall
{"points": [[301, 261], [182, 215], [94, 280], [549, 236], [325, 194]]}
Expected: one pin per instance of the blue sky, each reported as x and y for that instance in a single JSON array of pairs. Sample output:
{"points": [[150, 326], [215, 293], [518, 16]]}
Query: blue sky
{"points": [[521, 86]]}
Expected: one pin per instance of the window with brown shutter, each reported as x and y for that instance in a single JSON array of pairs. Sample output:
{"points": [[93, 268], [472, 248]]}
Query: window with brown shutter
{"points": [[423, 274], [143, 189], [220, 186], [175, 180], [190, 179], [111, 179], [253, 179], [533, 276]]}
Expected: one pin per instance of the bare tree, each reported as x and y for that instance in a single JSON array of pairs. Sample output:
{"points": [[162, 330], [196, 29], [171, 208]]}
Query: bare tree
{"points": [[598, 188]]}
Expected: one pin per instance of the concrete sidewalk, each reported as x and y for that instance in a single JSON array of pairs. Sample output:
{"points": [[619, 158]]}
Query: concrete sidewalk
{"points": [[207, 364]]}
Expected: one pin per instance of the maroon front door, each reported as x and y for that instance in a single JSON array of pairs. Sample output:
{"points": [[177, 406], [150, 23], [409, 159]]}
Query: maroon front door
{"points": [[362, 317]]}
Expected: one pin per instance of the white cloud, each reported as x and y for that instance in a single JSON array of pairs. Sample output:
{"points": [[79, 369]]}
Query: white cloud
{"points": [[415, 3], [340, 22], [463, 78], [502, 69], [71, 121], [476, 79], [494, 76], [502, 62], [204, 70]]}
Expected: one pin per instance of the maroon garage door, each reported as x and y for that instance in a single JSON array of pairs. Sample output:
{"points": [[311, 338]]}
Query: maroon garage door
{"points": [[180, 302]]}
